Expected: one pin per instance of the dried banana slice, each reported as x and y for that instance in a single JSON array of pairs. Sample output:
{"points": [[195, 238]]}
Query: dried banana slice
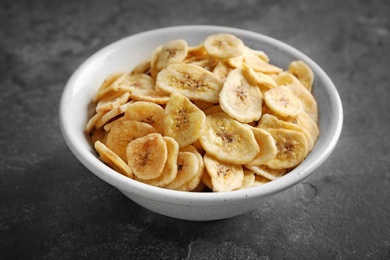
{"points": [[123, 132], [259, 65], [264, 81], [240, 99], [282, 101], [92, 121], [146, 112], [272, 122], [98, 135], [110, 84], [267, 146], [115, 101], [113, 160], [260, 180], [292, 148], [224, 46], [193, 183], [222, 69], [183, 121], [228, 140], [187, 168], [171, 53], [249, 179], [150, 95], [111, 115], [298, 89], [266, 172], [307, 123], [153, 61], [170, 168], [147, 155], [137, 81], [213, 109], [303, 72], [142, 67], [224, 176], [190, 80]]}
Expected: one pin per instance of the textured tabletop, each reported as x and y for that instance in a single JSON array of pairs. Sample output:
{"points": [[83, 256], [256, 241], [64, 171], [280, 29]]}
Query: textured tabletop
{"points": [[52, 207]]}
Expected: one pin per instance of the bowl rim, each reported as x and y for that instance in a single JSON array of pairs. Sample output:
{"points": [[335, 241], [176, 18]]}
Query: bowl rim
{"points": [[90, 160]]}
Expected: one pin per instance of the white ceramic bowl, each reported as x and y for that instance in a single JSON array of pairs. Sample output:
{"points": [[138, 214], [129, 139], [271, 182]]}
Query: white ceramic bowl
{"points": [[125, 54]]}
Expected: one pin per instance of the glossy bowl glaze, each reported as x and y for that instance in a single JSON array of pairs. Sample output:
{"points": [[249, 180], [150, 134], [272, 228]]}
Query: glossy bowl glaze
{"points": [[123, 55]]}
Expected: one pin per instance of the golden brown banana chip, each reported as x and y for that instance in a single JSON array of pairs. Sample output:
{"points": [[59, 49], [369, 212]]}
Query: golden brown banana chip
{"points": [[147, 155], [91, 124], [123, 132], [112, 159], [224, 176]]}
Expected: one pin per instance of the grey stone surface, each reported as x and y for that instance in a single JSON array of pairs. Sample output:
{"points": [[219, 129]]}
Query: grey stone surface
{"points": [[51, 207]]}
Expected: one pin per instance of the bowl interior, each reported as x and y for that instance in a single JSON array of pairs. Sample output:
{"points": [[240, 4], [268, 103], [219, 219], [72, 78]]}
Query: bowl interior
{"points": [[123, 55]]}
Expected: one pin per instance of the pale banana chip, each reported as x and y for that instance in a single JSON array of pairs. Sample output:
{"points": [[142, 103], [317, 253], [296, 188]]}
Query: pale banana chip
{"points": [[260, 180], [267, 146], [187, 168], [111, 115], [193, 183], [249, 179], [228, 140], [224, 176], [110, 84], [240, 99], [259, 65], [224, 46], [292, 148], [264, 81], [116, 101], [92, 121], [142, 68], [282, 101], [150, 95], [303, 72], [123, 132], [153, 62], [266, 172], [171, 53], [190, 80], [222, 69], [146, 112], [305, 96], [112, 159], [169, 172], [133, 82], [269, 121], [183, 120], [147, 155]]}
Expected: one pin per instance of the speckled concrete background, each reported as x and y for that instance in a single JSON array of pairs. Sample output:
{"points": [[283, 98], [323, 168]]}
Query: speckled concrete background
{"points": [[51, 207]]}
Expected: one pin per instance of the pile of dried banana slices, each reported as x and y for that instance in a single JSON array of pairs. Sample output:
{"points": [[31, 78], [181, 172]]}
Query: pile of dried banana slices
{"points": [[213, 117]]}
